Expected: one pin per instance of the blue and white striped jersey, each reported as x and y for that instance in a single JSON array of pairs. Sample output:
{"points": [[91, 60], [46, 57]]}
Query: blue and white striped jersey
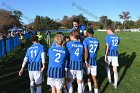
{"points": [[33, 55], [113, 42], [92, 44], [57, 59], [76, 51]]}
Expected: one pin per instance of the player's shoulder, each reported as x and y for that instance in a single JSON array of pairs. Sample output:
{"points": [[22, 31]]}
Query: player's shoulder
{"points": [[69, 43], [86, 39], [117, 36], [40, 45], [107, 36], [95, 39]]}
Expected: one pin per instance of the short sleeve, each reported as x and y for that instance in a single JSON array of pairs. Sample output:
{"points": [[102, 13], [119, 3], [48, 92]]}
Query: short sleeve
{"points": [[84, 43], [43, 49], [107, 39]]}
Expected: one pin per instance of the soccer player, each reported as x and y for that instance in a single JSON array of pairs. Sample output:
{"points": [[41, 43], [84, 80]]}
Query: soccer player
{"points": [[111, 54], [48, 38], [56, 68], [91, 46], [75, 23], [22, 41], [35, 57], [76, 51]]}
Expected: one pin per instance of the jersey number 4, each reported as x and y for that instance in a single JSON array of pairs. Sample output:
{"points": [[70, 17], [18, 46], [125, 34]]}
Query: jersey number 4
{"points": [[77, 52]]}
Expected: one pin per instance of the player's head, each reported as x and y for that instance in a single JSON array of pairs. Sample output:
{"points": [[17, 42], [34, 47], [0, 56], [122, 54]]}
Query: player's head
{"points": [[60, 33], [75, 23], [75, 34], [59, 39], [110, 30], [90, 32], [34, 38]]}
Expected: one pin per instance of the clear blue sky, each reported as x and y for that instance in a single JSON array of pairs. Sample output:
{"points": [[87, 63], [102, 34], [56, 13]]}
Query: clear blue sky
{"points": [[56, 9]]}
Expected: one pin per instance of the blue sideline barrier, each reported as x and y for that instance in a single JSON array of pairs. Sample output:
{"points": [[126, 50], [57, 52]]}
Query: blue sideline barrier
{"points": [[12, 43]]}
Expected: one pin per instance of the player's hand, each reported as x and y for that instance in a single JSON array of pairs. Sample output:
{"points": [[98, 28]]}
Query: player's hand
{"points": [[66, 69], [106, 60], [87, 64], [42, 69], [20, 72]]}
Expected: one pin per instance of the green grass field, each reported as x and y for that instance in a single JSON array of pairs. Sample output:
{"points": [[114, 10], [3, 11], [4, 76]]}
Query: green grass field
{"points": [[129, 56]]}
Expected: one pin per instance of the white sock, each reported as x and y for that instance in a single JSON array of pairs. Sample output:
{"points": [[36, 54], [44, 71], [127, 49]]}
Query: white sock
{"points": [[70, 88], [38, 89], [95, 90], [65, 91], [115, 78], [108, 74], [32, 87], [80, 88], [89, 86], [83, 87]]}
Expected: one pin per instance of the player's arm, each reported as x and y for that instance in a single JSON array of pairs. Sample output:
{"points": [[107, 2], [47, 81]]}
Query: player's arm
{"points": [[106, 48], [86, 56], [43, 57], [85, 53], [106, 51], [67, 60], [23, 66]]}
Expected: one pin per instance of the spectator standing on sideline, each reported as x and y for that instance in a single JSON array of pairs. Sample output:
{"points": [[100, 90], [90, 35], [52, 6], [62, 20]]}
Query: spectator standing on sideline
{"points": [[48, 38], [22, 41]]}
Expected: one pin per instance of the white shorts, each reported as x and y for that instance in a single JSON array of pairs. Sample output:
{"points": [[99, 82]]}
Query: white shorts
{"points": [[36, 76], [92, 70], [113, 60], [78, 74], [57, 83]]}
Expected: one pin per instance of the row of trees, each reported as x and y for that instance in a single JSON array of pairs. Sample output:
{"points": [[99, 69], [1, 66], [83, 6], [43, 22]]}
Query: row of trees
{"points": [[42, 23], [9, 19], [45, 23]]}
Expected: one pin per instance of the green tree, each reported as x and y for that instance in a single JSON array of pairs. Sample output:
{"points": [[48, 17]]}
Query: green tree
{"points": [[7, 20], [103, 20], [125, 16]]}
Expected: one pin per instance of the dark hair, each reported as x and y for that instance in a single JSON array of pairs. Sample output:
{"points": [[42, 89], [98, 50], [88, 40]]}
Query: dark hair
{"points": [[90, 31], [75, 20], [61, 33], [67, 37], [34, 38], [111, 28], [75, 33]]}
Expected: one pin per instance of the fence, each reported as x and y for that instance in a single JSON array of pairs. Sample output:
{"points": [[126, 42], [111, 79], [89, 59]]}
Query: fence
{"points": [[11, 43]]}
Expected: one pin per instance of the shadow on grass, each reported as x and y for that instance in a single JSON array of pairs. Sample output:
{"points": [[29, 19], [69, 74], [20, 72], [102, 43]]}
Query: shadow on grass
{"points": [[124, 61]]}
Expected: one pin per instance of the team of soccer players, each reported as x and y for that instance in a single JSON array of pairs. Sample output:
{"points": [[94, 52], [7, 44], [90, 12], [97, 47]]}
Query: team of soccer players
{"points": [[66, 60]]}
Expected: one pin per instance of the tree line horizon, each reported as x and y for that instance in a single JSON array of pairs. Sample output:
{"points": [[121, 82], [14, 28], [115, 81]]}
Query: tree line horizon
{"points": [[10, 19]]}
